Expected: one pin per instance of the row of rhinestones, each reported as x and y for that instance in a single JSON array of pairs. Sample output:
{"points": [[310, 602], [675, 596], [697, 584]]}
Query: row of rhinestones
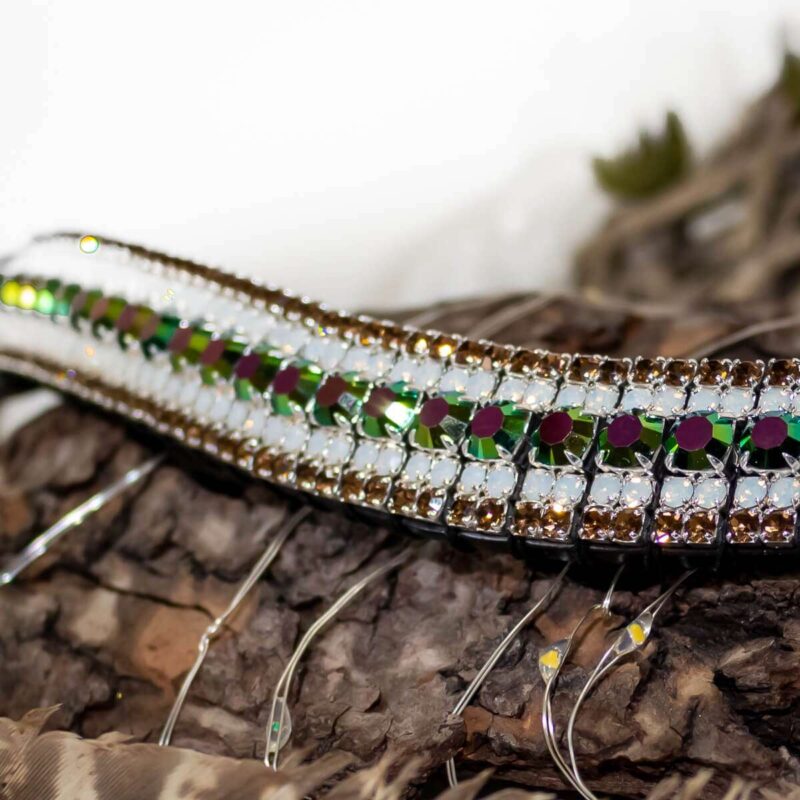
{"points": [[488, 432]]}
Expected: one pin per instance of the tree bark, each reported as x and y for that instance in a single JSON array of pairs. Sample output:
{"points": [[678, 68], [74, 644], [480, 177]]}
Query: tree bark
{"points": [[107, 625]]}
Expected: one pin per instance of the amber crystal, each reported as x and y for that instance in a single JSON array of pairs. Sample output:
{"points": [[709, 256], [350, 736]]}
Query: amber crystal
{"points": [[470, 354], [326, 483], [306, 475], [430, 503], [746, 373], [527, 519], [585, 368], [283, 469], [444, 346], [614, 371], [743, 527], [226, 449], [497, 356], [491, 514], [244, 454], [713, 372], [647, 370], [551, 365], [376, 489], [264, 463], [393, 336], [403, 499], [668, 528], [628, 525], [371, 332], [679, 372], [556, 522], [353, 487], [783, 372], [462, 512], [211, 441], [701, 527], [194, 435], [418, 343], [777, 527], [596, 524], [523, 362]]}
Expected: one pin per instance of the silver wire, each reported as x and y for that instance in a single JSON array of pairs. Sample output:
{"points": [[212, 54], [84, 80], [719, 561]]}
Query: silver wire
{"points": [[44, 541], [213, 630], [625, 643], [276, 739], [563, 648], [484, 671]]}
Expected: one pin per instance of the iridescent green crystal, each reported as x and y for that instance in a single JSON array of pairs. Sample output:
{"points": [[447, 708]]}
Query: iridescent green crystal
{"points": [[442, 422], [389, 410], [339, 400], [496, 431], [769, 439], [563, 437], [165, 330], [64, 297], [9, 294], [627, 436], [698, 439], [254, 372], [294, 386]]}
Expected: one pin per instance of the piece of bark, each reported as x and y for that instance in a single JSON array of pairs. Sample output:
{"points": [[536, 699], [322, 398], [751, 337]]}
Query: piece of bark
{"points": [[107, 625]]}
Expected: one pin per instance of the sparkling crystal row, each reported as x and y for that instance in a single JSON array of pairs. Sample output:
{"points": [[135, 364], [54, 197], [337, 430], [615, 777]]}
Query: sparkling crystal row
{"points": [[466, 434]]}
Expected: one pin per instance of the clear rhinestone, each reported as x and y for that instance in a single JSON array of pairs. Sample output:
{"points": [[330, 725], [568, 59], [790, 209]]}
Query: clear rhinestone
{"points": [[637, 398], [784, 492], [426, 374], [222, 404], [750, 491], [637, 491], [365, 457], [736, 402], [571, 395], [472, 478], [501, 481], [390, 459], [605, 489], [325, 351], [378, 364], [480, 385], [676, 492], [274, 429], [511, 389], [539, 395], [317, 443], [537, 485], [288, 339], [668, 400], [339, 448], [568, 489], [711, 493], [357, 360], [601, 400], [295, 437], [443, 472], [237, 416], [204, 402], [417, 467], [704, 398], [775, 398], [403, 370], [454, 380]]}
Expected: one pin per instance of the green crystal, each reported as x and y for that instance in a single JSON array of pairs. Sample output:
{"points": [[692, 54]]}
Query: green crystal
{"points": [[64, 297], [442, 421], [696, 438], [294, 386], [563, 434], [619, 442], [389, 410], [339, 400], [496, 431], [769, 439], [167, 325]]}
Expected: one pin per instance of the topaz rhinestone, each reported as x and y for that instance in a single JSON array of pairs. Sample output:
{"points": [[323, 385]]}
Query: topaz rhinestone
{"points": [[629, 437], [743, 527], [442, 422], [628, 524], [561, 433], [777, 527], [496, 431], [769, 439], [597, 524], [696, 440], [668, 528]]}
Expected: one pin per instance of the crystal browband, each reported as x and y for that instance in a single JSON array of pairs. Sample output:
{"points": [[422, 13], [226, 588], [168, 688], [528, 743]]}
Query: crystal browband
{"points": [[445, 433]]}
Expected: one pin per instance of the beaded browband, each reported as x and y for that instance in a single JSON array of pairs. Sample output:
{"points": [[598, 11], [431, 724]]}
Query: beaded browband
{"points": [[444, 433]]}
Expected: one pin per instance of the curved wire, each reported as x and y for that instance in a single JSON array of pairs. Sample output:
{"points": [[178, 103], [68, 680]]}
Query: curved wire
{"points": [[630, 639], [213, 630], [484, 671], [279, 730], [44, 541], [551, 661]]}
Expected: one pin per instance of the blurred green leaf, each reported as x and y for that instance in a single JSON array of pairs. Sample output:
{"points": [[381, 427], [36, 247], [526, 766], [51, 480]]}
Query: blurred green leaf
{"points": [[790, 78], [657, 161]]}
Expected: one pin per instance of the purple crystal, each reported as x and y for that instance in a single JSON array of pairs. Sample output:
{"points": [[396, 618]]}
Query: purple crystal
{"points": [[247, 366], [433, 412], [694, 433], [555, 428], [213, 352], [286, 380], [330, 391], [180, 340], [487, 422], [379, 401], [769, 432], [624, 430], [126, 318]]}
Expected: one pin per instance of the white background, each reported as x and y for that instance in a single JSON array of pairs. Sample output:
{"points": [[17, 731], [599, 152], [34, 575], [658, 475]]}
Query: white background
{"points": [[366, 153]]}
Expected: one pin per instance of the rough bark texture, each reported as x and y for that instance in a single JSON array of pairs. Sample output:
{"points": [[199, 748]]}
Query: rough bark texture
{"points": [[108, 624]]}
